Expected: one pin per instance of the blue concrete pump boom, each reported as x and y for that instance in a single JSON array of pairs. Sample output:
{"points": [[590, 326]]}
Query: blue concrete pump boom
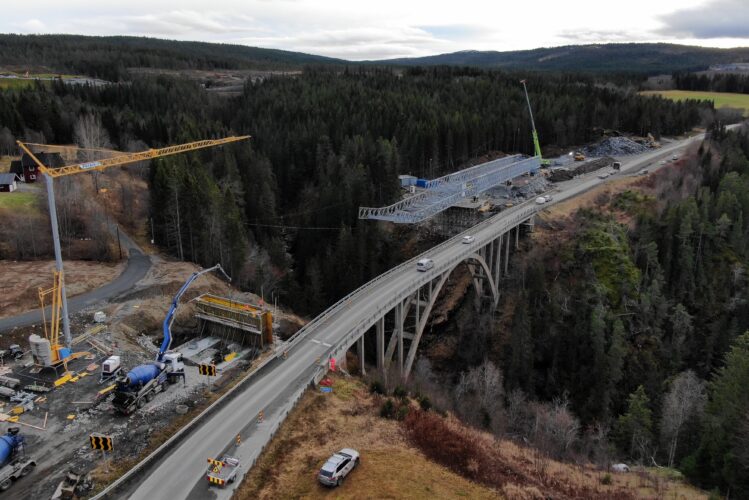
{"points": [[175, 303]]}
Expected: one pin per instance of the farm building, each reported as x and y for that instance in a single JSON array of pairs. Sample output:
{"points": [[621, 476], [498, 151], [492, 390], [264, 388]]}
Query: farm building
{"points": [[27, 170], [7, 183]]}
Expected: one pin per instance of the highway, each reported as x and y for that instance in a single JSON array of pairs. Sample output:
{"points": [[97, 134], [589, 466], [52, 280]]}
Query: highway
{"points": [[180, 474]]}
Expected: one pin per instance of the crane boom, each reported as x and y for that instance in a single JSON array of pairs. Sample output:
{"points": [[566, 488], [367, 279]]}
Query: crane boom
{"points": [[121, 159], [169, 319], [124, 159], [536, 144]]}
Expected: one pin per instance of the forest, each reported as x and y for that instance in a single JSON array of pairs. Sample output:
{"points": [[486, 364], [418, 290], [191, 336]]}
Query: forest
{"points": [[629, 337], [281, 211], [111, 57], [716, 82]]}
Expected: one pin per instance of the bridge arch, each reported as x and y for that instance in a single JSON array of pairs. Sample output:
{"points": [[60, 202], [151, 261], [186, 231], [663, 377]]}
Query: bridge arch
{"points": [[424, 316]]}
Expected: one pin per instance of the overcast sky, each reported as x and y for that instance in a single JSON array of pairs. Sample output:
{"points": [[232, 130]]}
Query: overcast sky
{"points": [[356, 30]]}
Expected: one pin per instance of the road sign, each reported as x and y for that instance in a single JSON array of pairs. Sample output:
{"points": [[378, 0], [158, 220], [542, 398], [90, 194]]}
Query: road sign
{"points": [[209, 370], [101, 442]]}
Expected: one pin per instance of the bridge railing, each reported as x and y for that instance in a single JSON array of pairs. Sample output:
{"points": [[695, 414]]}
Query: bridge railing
{"points": [[518, 215], [530, 209]]}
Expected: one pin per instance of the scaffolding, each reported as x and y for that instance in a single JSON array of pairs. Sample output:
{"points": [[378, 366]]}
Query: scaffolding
{"points": [[254, 319], [441, 193]]}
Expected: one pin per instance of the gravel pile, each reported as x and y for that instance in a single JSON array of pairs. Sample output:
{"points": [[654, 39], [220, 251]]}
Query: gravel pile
{"points": [[615, 146]]}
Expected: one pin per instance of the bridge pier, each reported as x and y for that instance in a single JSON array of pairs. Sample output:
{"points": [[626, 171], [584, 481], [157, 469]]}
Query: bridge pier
{"points": [[380, 343], [360, 348]]}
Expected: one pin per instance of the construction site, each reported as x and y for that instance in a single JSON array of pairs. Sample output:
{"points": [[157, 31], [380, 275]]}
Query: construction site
{"points": [[126, 369], [87, 393]]}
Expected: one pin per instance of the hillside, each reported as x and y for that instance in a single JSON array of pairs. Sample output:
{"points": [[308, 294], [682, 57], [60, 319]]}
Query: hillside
{"points": [[648, 58], [109, 57], [397, 462]]}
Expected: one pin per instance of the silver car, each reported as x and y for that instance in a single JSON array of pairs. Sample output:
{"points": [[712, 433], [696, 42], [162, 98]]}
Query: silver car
{"points": [[338, 466]]}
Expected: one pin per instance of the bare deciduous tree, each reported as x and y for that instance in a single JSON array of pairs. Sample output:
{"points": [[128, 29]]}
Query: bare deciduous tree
{"points": [[685, 400], [90, 134]]}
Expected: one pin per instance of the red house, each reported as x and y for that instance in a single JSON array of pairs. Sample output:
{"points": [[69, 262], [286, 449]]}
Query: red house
{"points": [[27, 170]]}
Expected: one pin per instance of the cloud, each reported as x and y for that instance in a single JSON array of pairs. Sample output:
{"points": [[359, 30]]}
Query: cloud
{"points": [[174, 23], [601, 36], [716, 19], [356, 43], [34, 26]]}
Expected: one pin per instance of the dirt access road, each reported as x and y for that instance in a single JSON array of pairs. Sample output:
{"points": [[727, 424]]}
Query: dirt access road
{"points": [[138, 264]]}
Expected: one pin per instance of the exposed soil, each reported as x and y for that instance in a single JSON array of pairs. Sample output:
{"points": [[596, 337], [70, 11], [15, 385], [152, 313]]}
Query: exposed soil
{"points": [[21, 281]]}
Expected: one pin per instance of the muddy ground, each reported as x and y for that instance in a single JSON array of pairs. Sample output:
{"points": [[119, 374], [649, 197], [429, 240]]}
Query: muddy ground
{"points": [[133, 331]]}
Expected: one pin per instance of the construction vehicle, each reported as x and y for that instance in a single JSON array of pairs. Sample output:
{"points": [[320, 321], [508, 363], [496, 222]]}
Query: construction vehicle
{"points": [[75, 484], [222, 472], [13, 461], [536, 144], [143, 382], [579, 156]]}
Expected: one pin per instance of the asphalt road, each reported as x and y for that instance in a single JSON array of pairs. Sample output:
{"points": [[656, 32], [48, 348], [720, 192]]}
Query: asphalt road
{"points": [[138, 265], [181, 473]]}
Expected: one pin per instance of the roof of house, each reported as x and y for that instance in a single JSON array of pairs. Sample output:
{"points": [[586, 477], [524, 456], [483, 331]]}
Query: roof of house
{"points": [[7, 178]]}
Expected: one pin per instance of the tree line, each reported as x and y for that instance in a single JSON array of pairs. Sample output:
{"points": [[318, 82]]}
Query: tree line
{"points": [[715, 82], [281, 210]]}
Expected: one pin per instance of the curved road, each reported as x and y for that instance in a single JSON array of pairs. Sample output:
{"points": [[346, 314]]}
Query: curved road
{"points": [[180, 474], [138, 265]]}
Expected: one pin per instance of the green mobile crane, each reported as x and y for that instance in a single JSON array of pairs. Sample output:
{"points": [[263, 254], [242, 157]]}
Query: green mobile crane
{"points": [[536, 145]]}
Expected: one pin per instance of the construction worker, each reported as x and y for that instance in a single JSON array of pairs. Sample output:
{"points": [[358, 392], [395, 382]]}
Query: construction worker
{"points": [[239, 440]]}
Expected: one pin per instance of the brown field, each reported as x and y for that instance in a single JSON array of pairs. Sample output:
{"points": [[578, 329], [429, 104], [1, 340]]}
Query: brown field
{"points": [[21, 281], [392, 467]]}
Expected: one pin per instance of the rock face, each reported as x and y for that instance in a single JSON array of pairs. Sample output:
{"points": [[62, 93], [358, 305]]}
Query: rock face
{"points": [[615, 146]]}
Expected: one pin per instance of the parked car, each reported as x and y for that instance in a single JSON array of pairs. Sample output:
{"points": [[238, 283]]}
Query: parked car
{"points": [[338, 466], [541, 200], [424, 264], [468, 239], [603, 175]]}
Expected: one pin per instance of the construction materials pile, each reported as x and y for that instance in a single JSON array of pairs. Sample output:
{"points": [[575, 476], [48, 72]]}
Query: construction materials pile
{"points": [[615, 146], [565, 174]]}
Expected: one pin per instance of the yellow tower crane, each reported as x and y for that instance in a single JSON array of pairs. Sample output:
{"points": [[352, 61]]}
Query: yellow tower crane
{"points": [[118, 160]]}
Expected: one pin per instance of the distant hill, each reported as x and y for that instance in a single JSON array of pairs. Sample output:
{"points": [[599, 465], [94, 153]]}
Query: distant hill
{"points": [[109, 57], [651, 58]]}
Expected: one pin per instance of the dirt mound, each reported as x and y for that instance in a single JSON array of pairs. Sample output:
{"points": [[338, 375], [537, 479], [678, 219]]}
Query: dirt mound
{"points": [[615, 146]]}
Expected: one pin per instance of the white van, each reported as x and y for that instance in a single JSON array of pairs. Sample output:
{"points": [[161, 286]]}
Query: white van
{"points": [[424, 264]]}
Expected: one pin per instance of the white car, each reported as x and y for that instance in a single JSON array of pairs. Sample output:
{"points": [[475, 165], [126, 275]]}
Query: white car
{"points": [[468, 239], [338, 466], [424, 264], [603, 175]]}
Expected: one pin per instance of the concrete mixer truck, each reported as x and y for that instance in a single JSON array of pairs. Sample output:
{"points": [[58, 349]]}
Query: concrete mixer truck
{"points": [[143, 382], [13, 461]]}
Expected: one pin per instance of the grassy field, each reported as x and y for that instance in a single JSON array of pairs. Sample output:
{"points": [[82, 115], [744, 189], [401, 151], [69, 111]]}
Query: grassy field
{"points": [[17, 83], [18, 200], [720, 99]]}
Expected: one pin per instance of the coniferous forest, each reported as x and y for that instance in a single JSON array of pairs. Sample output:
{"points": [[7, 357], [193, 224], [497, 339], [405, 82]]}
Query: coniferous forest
{"points": [[627, 320]]}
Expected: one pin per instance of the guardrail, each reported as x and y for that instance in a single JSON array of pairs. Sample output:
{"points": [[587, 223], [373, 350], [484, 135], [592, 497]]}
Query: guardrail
{"points": [[173, 440]]}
